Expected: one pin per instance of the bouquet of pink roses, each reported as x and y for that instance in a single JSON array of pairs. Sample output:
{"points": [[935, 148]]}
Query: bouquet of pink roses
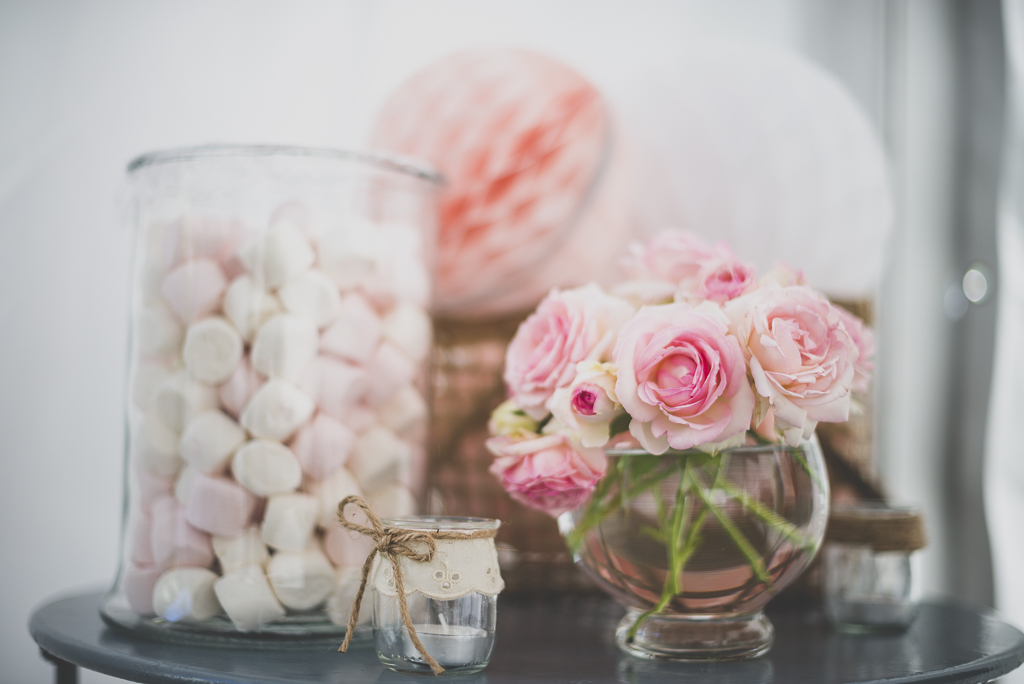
{"points": [[693, 351]]}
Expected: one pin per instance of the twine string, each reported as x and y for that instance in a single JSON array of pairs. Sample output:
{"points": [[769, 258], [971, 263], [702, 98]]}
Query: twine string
{"points": [[393, 543]]}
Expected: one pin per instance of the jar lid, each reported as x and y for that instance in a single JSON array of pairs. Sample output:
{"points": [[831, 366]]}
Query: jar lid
{"points": [[883, 528]]}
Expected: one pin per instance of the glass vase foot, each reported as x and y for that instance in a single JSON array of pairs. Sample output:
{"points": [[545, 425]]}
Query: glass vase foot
{"points": [[695, 638]]}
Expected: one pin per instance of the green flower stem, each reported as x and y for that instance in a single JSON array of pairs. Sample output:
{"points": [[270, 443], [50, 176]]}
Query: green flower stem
{"points": [[799, 456], [742, 543], [768, 516]]}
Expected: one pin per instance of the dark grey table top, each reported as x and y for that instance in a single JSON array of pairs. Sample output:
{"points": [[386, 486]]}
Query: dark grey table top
{"points": [[563, 640]]}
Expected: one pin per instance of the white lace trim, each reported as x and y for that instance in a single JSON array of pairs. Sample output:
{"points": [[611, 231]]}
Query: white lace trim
{"points": [[459, 567]]}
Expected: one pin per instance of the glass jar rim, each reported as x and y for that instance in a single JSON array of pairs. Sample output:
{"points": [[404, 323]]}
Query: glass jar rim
{"points": [[391, 162], [426, 523], [744, 449]]}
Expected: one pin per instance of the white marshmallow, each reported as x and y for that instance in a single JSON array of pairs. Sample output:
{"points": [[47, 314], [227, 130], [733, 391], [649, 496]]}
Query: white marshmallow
{"points": [[247, 598], [330, 491], [147, 379], [297, 215], [345, 548], [200, 237], [356, 332], [248, 305], [379, 457], [183, 485], [245, 549], [339, 604], [138, 583], [209, 441], [323, 445], [393, 501], [155, 446], [278, 256], [405, 412], [353, 257], [359, 418], [140, 539], [175, 542], [285, 346], [266, 468], [239, 388], [277, 410], [409, 328], [152, 271], [289, 521], [194, 289], [335, 385], [149, 488], [212, 350], [301, 580], [219, 505], [158, 332], [186, 594], [180, 398], [389, 370], [414, 477], [314, 296]]}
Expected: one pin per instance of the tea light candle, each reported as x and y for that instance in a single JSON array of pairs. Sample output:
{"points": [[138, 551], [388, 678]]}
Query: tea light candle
{"points": [[451, 645]]}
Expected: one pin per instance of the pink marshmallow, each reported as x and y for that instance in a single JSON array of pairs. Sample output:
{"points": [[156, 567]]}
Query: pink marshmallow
{"points": [[323, 445], [236, 392], [140, 539], [194, 289], [201, 237], [151, 487], [346, 548], [138, 583], [359, 418], [355, 333], [390, 370], [415, 475], [336, 386], [175, 541], [219, 506]]}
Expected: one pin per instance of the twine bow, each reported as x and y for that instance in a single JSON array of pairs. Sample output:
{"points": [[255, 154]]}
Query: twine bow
{"points": [[393, 543]]}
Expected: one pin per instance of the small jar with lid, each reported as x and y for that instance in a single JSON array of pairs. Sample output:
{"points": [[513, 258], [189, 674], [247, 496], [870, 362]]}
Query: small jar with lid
{"points": [[451, 599], [870, 581]]}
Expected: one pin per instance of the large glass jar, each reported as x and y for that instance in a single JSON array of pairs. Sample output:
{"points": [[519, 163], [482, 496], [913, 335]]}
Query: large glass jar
{"points": [[277, 364]]}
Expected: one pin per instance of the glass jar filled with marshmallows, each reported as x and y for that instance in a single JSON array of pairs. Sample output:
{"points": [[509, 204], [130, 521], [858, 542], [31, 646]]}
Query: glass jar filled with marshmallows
{"points": [[280, 335]]}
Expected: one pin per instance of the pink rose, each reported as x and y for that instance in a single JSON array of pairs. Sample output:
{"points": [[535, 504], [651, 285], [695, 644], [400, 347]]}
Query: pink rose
{"points": [[723, 279], [801, 357], [674, 256], [568, 327], [682, 378], [584, 410], [546, 473], [864, 340], [783, 275]]}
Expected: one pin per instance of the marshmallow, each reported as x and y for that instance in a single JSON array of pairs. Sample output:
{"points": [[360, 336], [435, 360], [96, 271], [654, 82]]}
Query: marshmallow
{"points": [[285, 346], [345, 548], [278, 256], [339, 604], [409, 328], [239, 551], [158, 332], [330, 491], [379, 457], [352, 257], [140, 538], [209, 441], [147, 379], [301, 580], [266, 468], [389, 370], [247, 598], [248, 305], [212, 350], [297, 215], [175, 541], [359, 418], [194, 289], [277, 410], [314, 296], [185, 594], [335, 385], [401, 274], [415, 475], [404, 412], [219, 506], [239, 388], [393, 501], [183, 485], [200, 237], [150, 487], [356, 332], [138, 583], [151, 271], [155, 446], [323, 445], [180, 398], [289, 521]]}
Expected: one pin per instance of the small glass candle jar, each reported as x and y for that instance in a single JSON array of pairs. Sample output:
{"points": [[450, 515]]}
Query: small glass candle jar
{"points": [[870, 583], [451, 600]]}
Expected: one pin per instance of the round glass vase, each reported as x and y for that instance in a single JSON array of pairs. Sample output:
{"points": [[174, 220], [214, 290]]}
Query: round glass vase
{"points": [[695, 545], [280, 339]]}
